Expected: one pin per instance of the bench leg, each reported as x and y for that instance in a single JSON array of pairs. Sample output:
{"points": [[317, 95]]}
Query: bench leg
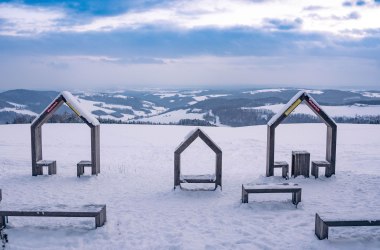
{"points": [[296, 197], [3, 221], [244, 195], [328, 172], [101, 218], [314, 171], [52, 169], [285, 172], [39, 170], [80, 171], [321, 229]]}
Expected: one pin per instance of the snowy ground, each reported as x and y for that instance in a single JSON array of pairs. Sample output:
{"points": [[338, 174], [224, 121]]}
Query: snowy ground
{"points": [[143, 211]]}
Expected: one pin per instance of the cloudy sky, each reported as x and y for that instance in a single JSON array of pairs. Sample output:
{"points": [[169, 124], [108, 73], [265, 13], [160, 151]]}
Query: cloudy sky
{"points": [[117, 44]]}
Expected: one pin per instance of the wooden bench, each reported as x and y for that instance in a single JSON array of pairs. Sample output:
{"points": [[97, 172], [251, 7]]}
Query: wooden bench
{"points": [[81, 165], [52, 166], [322, 225], [96, 211], [272, 188], [315, 165], [284, 166]]}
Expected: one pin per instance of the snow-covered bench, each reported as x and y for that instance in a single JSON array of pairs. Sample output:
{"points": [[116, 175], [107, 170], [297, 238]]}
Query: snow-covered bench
{"points": [[322, 224], [284, 166], [52, 166], [272, 188], [81, 165], [96, 211], [315, 165]]}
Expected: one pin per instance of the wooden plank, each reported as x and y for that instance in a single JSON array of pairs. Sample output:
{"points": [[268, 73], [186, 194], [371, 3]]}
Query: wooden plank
{"points": [[96, 211], [198, 179]]}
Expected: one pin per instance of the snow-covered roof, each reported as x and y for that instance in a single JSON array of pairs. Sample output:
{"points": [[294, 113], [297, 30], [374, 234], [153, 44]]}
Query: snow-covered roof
{"points": [[294, 102], [286, 106], [216, 147], [73, 103]]}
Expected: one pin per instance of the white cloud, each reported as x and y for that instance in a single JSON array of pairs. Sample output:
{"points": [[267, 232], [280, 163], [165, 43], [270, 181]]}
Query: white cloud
{"points": [[22, 20], [306, 16], [326, 17]]}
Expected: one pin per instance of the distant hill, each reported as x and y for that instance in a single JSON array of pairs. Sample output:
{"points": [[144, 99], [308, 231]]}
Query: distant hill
{"points": [[214, 107]]}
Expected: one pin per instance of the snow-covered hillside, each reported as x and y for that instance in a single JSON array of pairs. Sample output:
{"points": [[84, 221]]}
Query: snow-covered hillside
{"points": [[143, 211], [333, 111]]}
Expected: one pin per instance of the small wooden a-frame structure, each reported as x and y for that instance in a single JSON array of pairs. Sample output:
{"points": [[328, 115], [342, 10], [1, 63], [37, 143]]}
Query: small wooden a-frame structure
{"points": [[214, 178], [88, 118], [284, 113]]}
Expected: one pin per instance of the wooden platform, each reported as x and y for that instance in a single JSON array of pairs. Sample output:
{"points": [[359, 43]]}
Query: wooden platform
{"points": [[322, 224], [272, 188], [96, 211]]}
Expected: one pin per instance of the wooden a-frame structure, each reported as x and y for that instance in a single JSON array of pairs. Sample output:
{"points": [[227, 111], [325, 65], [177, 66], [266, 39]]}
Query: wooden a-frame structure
{"points": [[284, 113], [88, 118], [178, 178]]}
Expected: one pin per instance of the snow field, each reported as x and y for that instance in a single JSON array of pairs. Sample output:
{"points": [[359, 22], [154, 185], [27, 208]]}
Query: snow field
{"points": [[143, 211]]}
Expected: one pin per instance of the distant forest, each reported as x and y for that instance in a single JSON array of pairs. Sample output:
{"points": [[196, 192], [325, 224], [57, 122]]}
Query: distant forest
{"points": [[231, 117]]}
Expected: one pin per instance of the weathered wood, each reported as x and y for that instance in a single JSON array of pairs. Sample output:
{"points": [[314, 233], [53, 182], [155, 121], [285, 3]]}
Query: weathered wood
{"points": [[96, 211], [198, 179], [52, 167], [288, 108], [300, 163], [315, 165], [178, 179], [273, 188], [284, 167], [270, 150], [322, 224], [95, 150], [81, 165], [36, 137]]}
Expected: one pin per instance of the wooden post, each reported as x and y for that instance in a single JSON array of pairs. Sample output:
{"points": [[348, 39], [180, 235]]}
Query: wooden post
{"points": [[218, 170], [177, 169], [331, 149], [36, 140], [95, 150], [270, 150]]}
